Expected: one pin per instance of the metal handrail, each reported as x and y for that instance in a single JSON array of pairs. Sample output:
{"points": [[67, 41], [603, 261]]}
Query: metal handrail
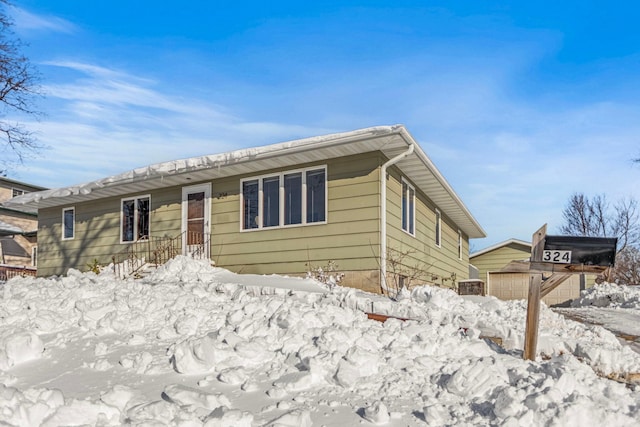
{"points": [[158, 250]]}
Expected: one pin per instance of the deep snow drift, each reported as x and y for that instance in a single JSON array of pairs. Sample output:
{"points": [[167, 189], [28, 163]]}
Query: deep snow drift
{"points": [[609, 295], [616, 307], [192, 345]]}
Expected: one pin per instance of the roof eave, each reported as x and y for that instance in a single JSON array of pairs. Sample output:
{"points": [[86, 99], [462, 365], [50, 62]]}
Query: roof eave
{"points": [[473, 228], [498, 246], [383, 138]]}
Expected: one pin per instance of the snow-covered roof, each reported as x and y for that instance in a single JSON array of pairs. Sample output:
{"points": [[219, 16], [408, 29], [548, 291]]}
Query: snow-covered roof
{"points": [[390, 140], [9, 229], [500, 245]]}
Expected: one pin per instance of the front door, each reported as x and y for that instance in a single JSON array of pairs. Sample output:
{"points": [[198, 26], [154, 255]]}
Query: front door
{"points": [[196, 217]]}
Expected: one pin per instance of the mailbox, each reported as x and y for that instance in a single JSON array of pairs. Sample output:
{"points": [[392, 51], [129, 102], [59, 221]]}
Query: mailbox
{"points": [[600, 251]]}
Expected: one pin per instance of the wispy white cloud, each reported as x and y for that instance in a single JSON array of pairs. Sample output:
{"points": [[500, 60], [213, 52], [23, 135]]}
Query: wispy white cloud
{"points": [[106, 121], [27, 21], [512, 145]]}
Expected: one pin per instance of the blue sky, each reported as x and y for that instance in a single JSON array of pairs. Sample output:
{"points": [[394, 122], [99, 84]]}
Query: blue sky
{"points": [[519, 104]]}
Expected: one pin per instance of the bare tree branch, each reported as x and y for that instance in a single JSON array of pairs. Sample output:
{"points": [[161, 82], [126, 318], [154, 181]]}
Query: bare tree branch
{"points": [[19, 87], [596, 218]]}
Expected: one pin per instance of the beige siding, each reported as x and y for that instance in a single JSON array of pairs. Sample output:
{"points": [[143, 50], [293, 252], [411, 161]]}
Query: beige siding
{"points": [[350, 236], [441, 263], [7, 186], [498, 258], [17, 249], [509, 286], [97, 231], [6, 193]]}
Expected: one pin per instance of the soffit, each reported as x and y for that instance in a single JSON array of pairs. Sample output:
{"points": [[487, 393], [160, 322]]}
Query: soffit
{"points": [[390, 140]]}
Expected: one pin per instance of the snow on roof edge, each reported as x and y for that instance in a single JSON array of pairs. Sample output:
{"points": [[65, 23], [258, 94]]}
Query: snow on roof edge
{"points": [[173, 167], [5, 227], [426, 160]]}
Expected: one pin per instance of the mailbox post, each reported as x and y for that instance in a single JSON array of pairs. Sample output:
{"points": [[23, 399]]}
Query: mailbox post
{"points": [[559, 257]]}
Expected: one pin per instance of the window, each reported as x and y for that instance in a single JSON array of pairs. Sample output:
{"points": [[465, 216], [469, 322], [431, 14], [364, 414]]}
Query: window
{"points": [[438, 228], [293, 199], [135, 219], [316, 190], [459, 244], [34, 256], [15, 192], [250, 204], [289, 198], [271, 202], [68, 223], [408, 207]]}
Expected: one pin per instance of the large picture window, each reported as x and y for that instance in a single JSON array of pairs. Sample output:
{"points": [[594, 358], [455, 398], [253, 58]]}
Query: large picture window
{"points": [[250, 204], [316, 190], [68, 223], [408, 208], [135, 219], [271, 201], [285, 199], [293, 199]]}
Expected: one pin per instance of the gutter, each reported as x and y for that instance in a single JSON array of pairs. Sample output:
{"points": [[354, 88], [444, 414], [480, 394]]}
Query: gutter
{"points": [[383, 214]]}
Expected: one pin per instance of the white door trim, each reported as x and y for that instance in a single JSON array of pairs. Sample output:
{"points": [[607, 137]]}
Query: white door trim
{"points": [[199, 188]]}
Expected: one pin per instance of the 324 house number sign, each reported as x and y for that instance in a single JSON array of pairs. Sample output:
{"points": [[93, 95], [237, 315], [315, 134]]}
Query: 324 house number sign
{"points": [[556, 256]]}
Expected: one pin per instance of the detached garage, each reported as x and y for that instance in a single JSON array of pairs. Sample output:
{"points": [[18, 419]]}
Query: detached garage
{"points": [[504, 269], [506, 286]]}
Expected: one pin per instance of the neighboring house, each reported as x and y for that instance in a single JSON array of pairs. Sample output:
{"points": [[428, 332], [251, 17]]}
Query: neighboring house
{"points": [[505, 270], [353, 199], [18, 241]]}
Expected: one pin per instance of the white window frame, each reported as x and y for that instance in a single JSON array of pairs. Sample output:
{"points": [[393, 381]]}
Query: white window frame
{"points": [[199, 188], [410, 210], [17, 190], [135, 218], [73, 224], [459, 244], [281, 201], [438, 230]]}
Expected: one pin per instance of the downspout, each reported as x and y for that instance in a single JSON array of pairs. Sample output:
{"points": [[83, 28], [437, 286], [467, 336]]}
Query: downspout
{"points": [[383, 214]]}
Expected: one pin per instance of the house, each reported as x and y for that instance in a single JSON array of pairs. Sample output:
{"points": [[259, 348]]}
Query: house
{"points": [[368, 201], [504, 269], [18, 241]]}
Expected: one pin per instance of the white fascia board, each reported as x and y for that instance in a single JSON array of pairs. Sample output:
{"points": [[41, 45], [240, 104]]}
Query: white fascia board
{"points": [[388, 139], [498, 246], [158, 171]]}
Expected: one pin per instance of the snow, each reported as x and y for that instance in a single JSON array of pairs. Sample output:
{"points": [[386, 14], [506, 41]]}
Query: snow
{"points": [[609, 295], [616, 307], [193, 164], [194, 345], [5, 227]]}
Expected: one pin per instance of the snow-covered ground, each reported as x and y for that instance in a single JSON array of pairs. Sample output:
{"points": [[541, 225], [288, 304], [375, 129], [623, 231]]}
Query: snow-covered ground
{"points": [[616, 308], [192, 344]]}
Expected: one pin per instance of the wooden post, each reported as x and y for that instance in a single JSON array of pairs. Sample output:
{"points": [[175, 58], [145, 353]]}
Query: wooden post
{"points": [[559, 256], [537, 244], [553, 282], [533, 303], [533, 315]]}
